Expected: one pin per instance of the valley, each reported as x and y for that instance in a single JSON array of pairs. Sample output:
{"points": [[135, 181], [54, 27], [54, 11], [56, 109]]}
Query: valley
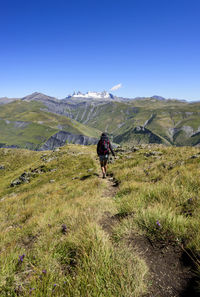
{"points": [[31, 122]]}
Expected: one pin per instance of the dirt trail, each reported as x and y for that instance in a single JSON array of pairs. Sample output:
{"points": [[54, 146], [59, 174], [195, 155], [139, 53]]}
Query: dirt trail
{"points": [[111, 187], [171, 270]]}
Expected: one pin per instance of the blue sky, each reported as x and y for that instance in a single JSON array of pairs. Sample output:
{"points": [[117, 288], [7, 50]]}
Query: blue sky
{"points": [[58, 46]]}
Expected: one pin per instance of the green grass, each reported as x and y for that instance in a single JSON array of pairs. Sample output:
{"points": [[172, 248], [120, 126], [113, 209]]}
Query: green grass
{"points": [[163, 187], [82, 262], [30, 136], [39, 125], [119, 119], [158, 192]]}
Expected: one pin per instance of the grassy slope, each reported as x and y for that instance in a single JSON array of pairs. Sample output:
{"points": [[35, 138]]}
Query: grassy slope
{"points": [[108, 116], [163, 186], [31, 136], [170, 114], [157, 185], [116, 117], [41, 124], [82, 262], [120, 118]]}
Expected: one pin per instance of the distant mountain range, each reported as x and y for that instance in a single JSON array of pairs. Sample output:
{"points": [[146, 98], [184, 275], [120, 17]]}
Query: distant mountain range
{"points": [[89, 96], [34, 119]]}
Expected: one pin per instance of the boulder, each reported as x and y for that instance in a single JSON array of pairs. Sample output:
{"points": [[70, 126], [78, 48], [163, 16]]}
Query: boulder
{"points": [[15, 182]]}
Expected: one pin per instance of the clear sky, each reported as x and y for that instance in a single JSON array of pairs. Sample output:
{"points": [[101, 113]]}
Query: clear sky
{"points": [[58, 46]]}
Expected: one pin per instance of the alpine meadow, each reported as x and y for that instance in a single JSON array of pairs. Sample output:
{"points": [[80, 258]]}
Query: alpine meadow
{"points": [[100, 148], [67, 232]]}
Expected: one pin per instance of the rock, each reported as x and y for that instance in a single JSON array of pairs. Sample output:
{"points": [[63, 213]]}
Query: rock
{"points": [[111, 159], [170, 167], [25, 177], [50, 159], [39, 170], [2, 167], [153, 153], [120, 150], [9, 228], [52, 181], [194, 156], [91, 169], [44, 155], [128, 157], [15, 182], [134, 149], [64, 229]]}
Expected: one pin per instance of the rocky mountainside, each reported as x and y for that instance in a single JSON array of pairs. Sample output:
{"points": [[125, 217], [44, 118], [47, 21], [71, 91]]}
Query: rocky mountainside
{"points": [[138, 120], [28, 124], [62, 137], [5, 100]]}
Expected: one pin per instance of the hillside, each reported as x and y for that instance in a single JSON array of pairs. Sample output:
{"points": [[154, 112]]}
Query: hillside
{"points": [[170, 122], [175, 122], [67, 232], [27, 125]]}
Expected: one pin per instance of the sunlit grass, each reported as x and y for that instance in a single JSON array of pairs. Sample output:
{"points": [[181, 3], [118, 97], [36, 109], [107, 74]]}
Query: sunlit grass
{"points": [[38, 256], [52, 243], [161, 187]]}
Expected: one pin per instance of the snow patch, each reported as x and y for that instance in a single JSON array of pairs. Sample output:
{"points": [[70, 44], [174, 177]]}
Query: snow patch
{"points": [[96, 95]]}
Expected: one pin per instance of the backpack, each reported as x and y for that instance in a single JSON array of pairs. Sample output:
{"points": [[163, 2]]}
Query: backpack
{"points": [[104, 146]]}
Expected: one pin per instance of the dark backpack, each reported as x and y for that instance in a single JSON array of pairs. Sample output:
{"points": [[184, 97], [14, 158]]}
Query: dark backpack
{"points": [[104, 146]]}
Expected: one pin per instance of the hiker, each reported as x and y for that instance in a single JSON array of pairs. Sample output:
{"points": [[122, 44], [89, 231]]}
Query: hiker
{"points": [[103, 149]]}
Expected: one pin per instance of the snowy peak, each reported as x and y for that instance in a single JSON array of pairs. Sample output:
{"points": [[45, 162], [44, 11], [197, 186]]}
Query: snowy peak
{"points": [[92, 95]]}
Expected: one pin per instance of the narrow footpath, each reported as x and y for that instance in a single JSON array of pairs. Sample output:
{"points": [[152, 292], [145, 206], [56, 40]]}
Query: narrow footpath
{"points": [[170, 268]]}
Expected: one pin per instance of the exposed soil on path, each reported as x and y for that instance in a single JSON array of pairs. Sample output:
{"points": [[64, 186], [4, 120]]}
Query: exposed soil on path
{"points": [[111, 187], [171, 269]]}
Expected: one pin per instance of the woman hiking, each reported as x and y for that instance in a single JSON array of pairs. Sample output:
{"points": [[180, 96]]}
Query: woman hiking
{"points": [[104, 147]]}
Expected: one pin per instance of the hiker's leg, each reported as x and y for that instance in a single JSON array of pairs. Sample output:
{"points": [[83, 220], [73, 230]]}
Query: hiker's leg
{"points": [[105, 166], [102, 167]]}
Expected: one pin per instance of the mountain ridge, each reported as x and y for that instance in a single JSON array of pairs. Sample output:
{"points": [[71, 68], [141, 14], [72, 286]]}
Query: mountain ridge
{"points": [[90, 95], [171, 122]]}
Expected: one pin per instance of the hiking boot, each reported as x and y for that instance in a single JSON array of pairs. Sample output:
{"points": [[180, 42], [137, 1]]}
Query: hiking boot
{"points": [[104, 175]]}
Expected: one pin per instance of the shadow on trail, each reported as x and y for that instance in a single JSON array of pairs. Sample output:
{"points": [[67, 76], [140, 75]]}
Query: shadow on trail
{"points": [[88, 176], [192, 287], [191, 290]]}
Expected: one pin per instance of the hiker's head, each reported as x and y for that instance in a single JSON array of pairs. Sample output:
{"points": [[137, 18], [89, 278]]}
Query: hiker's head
{"points": [[103, 134]]}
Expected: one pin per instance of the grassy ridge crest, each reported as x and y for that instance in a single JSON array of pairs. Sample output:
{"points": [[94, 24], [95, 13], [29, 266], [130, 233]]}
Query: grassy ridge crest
{"points": [[52, 242]]}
